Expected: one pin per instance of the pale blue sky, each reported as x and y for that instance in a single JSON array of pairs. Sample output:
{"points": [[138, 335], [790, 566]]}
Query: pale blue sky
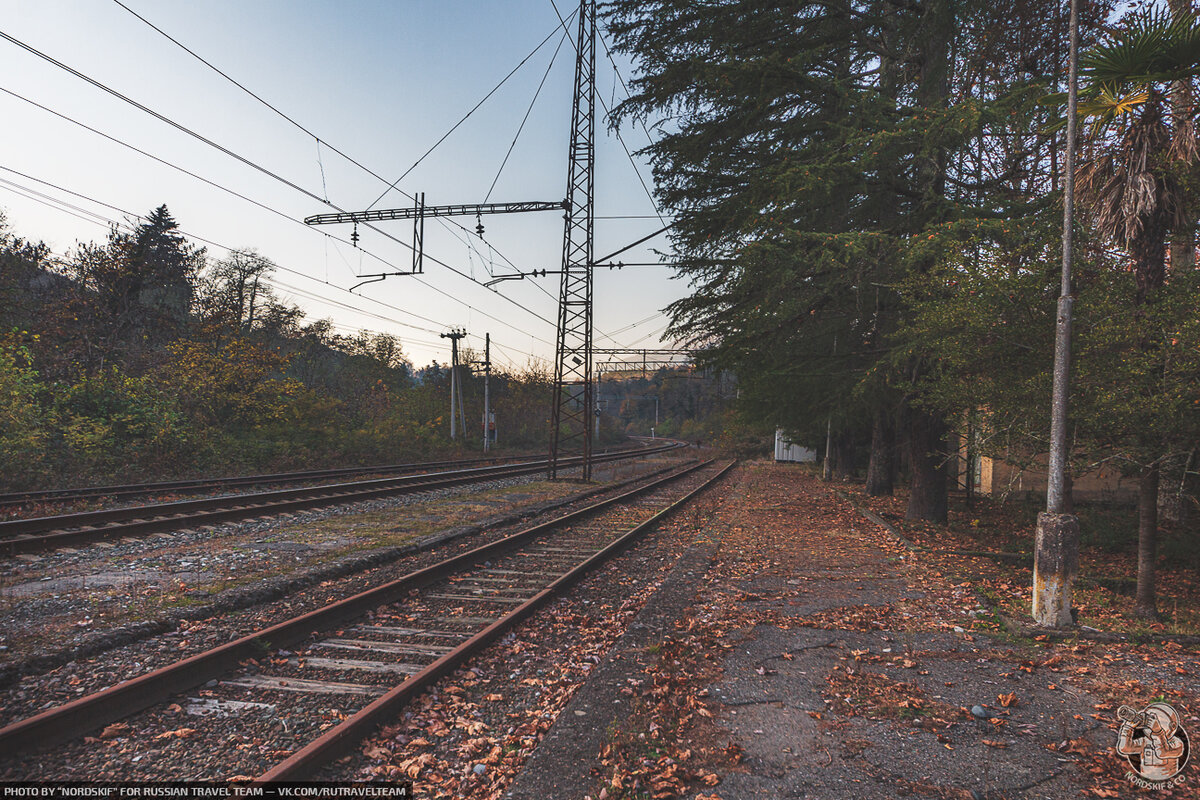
{"points": [[382, 81]]}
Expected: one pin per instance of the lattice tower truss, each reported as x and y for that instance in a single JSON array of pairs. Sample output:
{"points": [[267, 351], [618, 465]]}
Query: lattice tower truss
{"points": [[571, 412]]}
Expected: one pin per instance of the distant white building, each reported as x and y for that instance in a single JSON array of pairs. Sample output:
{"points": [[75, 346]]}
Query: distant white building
{"points": [[787, 450]]}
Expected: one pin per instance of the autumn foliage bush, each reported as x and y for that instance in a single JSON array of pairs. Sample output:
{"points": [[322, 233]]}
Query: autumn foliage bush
{"points": [[143, 359]]}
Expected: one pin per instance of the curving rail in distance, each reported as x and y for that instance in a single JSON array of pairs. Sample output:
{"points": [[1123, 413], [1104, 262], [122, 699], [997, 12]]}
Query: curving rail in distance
{"points": [[67, 530]]}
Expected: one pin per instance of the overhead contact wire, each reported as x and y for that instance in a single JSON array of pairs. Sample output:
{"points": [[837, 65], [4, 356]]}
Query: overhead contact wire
{"points": [[46, 57], [284, 215], [474, 108], [564, 24], [100, 219]]}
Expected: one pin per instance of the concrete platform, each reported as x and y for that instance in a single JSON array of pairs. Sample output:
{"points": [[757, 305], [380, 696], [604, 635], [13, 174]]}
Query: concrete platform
{"points": [[775, 702]]}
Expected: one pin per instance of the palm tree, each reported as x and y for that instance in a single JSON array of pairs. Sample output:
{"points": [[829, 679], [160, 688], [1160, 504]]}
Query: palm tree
{"points": [[1141, 142], [1130, 175]]}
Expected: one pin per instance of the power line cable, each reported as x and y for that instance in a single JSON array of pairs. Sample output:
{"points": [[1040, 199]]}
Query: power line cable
{"points": [[285, 181], [61, 189], [234, 81], [186, 171], [624, 85], [654, 333], [642, 123], [505, 351], [286, 216], [633, 325], [242, 159], [190, 174], [177, 125], [151, 156], [59, 205], [564, 24], [475, 108], [11, 187], [33, 194], [628, 154], [227, 248], [306, 130], [520, 128]]}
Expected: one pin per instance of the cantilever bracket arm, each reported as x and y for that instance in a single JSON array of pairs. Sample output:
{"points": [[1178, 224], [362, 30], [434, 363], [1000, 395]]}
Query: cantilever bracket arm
{"points": [[377, 277], [517, 276], [599, 261], [421, 211]]}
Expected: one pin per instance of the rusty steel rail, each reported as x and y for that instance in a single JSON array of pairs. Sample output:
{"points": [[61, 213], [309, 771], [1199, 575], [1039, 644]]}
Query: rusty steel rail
{"points": [[62, 723], [340, 739], [65, 530], [196, 485]]}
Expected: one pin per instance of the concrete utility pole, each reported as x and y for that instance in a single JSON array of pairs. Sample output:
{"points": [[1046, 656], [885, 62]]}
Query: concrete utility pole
{"points": [[455, 390], [596, 435], [827, 468], [462, 409], [487, 373], [1056, 554]]}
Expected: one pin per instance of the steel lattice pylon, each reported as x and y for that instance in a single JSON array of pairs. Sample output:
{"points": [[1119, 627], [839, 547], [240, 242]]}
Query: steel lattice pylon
{"points": [[570, 428]]}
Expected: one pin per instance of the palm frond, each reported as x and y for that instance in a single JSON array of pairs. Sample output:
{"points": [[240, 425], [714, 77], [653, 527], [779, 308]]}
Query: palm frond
{"points": [[1103, 107], [1152, 46]]}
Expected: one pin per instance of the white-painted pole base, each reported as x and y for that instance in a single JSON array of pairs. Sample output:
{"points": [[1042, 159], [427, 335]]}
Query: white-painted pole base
{"points": [[1055, 564]]}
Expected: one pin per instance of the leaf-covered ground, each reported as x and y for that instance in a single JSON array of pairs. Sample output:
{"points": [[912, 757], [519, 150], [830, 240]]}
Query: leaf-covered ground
{"points": [[990, 544], [471, 734], [824, 658], [795, 649]]}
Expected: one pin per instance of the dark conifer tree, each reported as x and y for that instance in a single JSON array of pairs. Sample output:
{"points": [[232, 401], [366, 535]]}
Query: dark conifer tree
{"points": [[822, 159], [162, 272], [139, 287]]}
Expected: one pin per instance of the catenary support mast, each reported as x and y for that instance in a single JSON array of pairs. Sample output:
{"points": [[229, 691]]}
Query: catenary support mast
{"points": [[571, 405]]}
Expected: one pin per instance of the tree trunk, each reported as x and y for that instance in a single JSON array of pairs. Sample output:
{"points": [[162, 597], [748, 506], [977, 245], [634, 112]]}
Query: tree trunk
{"points": [[927, 497], [1189, 490], [250, 312], [953, 459], [1147, 541], [927, 462], [1183, 132], [881, 469], [844, 465]]}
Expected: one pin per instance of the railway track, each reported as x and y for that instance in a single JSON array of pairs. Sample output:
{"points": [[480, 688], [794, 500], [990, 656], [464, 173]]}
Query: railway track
{"points": [[199, 485], [327, 678], [68, 530]]}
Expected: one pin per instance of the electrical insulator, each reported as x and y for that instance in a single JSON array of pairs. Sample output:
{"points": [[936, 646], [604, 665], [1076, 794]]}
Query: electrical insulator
{"points": [[479, 226], [354, 235]]}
